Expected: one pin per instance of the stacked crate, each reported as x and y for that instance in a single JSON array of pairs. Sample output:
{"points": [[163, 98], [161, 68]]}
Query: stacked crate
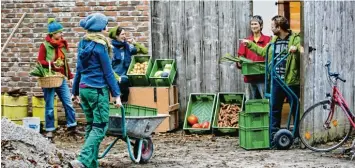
{"points": [[254, 124]]}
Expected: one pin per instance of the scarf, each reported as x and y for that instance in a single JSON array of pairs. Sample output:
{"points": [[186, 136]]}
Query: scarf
{"points": [[101, 39], [58, 44], [125, 47]]}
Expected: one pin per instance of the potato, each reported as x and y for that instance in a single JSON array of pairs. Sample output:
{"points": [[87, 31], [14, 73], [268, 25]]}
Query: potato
{"points": [[228, 115]]}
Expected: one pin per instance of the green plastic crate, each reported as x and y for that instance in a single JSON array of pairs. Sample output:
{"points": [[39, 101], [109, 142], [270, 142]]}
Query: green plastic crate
{"points": [[140, 80], [227, 97], [253, 68], [253, 120], [254, 138], [257, 106], [159, 66], [133, 110], [202, 106]]}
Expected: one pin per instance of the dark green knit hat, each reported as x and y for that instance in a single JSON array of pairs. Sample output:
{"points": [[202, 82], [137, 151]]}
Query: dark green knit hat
{"points": [[112, 32]]}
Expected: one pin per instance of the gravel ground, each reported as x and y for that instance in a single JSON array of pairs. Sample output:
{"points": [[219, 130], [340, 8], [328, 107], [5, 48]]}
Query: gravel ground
{"points": [[179, 150], [24, 148]]}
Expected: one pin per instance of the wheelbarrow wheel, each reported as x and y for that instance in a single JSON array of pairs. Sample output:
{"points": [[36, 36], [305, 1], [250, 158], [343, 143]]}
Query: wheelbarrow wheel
{"points": [[147, 150]]}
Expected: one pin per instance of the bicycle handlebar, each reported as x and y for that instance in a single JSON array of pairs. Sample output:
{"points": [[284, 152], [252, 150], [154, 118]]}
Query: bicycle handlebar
{"points": [[335, 75]]}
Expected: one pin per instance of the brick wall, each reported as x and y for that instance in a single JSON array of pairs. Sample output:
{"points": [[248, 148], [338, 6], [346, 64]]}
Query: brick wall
{"points": [[22, 50]]}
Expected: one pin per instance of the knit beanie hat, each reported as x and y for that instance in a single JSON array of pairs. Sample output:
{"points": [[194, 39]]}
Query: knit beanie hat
{"points": [[95, 22], [54, 26], [113, 32]]}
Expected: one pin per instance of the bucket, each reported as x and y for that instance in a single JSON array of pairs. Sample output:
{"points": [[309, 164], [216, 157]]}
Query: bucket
{"points": [[32, 123]]}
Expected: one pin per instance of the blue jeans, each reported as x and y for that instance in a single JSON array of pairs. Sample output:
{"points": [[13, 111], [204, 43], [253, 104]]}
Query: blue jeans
{"points": [[63, 93], [255, 90], [278, 98]]}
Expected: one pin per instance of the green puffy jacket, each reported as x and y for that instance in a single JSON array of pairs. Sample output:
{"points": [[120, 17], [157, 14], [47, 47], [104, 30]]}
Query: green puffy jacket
{"points": [[292, 75]]}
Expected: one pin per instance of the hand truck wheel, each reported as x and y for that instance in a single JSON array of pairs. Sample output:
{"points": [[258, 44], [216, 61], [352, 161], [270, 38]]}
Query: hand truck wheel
{"points": [[283, 139]]}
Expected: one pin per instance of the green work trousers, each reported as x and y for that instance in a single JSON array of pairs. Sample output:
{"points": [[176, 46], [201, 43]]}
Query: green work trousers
{"points": [[95, 104]]}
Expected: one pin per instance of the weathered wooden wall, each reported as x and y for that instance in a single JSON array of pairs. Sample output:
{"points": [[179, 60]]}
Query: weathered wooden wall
{"points": [[329, 27], [197, 34]]}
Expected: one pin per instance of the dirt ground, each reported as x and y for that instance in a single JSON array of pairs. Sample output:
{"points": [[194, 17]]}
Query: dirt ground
{"points": [[179, 150]]}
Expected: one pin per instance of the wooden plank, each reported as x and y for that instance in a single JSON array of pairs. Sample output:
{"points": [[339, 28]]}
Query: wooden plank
{"points": [[159, 33], [232, 14], [177, 47], [210, 43], [309, 66], [174, 107], [193, 11]]}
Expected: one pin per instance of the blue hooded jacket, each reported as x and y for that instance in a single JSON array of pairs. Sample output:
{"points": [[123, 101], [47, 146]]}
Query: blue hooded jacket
{"points": [[122, 56], [93, 68]]}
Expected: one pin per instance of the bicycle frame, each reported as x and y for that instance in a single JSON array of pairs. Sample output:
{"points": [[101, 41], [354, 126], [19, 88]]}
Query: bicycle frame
{"points": [[337, 98]]}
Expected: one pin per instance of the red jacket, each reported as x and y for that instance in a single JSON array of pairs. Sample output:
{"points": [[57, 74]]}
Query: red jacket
{"points": [[245, 52], [42, 59]]}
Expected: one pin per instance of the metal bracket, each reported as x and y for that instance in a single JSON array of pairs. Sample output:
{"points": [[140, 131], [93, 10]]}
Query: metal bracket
{"points": [[310, 49]]}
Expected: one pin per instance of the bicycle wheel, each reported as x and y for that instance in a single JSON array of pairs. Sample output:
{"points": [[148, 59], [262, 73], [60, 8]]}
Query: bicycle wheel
{"points": [[318, 137]]}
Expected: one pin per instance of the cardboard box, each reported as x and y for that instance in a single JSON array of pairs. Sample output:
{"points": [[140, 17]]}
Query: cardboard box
{"points": [[165, 99], [162, 98], [170, 123]]}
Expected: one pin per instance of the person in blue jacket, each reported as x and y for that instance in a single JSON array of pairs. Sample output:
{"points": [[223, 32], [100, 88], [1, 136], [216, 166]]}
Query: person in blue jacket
{"points": [[123, 50], [93, 81]]}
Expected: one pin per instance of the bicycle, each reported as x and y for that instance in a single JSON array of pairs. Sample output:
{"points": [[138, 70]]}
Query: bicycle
{"points": [[323, 127]]}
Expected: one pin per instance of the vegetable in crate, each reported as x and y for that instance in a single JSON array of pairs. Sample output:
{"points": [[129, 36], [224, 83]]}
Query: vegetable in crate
{"points": [[196, 126], [158, 74], [140, 68], [230, 58], [165, 72], [228, 115], [192, 119], [205, 124]]}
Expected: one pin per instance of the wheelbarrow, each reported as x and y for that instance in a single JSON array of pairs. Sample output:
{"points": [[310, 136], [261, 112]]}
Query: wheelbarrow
{"points": [[136, 128]]}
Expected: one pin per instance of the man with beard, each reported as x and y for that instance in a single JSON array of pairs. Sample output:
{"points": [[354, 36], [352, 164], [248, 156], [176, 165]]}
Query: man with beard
{"points": [[289, 70]]}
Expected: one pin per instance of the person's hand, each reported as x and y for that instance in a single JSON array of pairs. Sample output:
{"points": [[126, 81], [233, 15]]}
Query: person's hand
{"points": [[55, 66], [293, 49], [131, 41], [239, 65], [244, 41], [75, 99], [118, 102], [70, 82]]}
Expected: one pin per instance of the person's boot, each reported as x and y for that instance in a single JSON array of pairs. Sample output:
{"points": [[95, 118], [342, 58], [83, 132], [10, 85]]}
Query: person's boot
{"points": [[50, 136], [74, 131], [76, 164]]}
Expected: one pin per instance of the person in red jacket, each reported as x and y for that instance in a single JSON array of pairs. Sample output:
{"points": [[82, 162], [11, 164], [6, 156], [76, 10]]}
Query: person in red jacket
{"points": [[53, 51], [255, 83]]}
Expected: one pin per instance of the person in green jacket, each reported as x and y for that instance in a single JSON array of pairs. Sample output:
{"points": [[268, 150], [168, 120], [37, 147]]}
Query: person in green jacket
{"points": [[289, 70]]}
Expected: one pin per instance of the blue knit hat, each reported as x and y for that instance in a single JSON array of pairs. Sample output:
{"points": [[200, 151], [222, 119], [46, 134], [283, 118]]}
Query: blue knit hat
{"points": [[54, 26], [95, 22]]}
